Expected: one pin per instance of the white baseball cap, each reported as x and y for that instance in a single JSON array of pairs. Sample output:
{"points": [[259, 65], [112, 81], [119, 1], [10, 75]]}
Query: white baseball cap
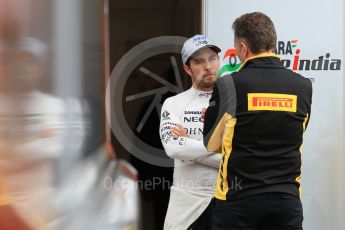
{"points": [[196, 43]]}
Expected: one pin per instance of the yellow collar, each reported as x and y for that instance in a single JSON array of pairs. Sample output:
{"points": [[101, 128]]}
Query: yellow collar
{"points": [[258, 56]]}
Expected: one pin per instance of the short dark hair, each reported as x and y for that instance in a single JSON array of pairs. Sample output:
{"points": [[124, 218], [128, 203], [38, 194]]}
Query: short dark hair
{"points": [[258, 31]]}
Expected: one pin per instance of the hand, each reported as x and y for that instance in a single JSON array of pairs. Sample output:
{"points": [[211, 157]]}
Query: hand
{"points": [[203, 112], [178, 130]]}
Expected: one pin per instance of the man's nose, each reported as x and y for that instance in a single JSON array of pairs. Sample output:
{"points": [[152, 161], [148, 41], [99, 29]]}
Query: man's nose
{"points": [[208, 66]]}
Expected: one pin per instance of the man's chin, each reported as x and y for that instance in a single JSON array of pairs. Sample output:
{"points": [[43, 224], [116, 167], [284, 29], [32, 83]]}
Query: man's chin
{"points": [[207, 85]]}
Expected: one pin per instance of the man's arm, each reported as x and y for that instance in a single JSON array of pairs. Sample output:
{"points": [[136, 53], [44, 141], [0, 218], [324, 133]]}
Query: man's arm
{"points": [[222, 108], [212, 160], [309, 90], [178, 147]]}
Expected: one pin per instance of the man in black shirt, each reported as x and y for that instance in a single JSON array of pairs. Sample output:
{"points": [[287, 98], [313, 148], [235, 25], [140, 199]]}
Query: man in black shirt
{"points": [[256, 119]]}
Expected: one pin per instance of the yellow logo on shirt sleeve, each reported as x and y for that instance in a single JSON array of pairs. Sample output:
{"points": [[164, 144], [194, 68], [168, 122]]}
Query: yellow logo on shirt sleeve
{"points": [[272, 102]]}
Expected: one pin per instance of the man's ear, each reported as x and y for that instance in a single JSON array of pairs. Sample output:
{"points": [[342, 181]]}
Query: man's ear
{"points": [[245, 49], [188, 70]]}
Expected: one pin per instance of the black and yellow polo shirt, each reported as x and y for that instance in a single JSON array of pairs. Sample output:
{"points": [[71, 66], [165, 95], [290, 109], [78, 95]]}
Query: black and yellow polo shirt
{"points": [[256, 119]]}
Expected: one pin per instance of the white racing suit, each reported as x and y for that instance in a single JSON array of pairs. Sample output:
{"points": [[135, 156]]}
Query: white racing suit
{"points": [[196, 169]]}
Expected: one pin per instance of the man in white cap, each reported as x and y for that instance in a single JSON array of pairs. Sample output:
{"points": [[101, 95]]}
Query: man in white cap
{"points": [[181, 132]]}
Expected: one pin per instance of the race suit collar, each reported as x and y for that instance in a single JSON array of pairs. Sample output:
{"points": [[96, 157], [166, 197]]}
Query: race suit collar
{"points": [[200, 93]]}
